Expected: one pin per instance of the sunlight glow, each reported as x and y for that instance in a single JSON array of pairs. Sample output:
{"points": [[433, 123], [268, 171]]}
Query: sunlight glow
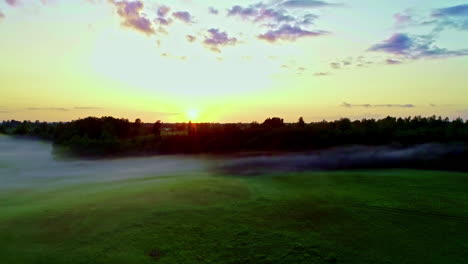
{"points": [[192, 114]]}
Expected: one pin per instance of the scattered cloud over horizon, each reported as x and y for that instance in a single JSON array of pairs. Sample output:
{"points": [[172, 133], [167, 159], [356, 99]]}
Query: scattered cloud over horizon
{"points": [[348, 105], [282, 24]]}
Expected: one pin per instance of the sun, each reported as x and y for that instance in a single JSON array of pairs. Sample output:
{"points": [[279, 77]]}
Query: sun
{"points": [[192, 114]]}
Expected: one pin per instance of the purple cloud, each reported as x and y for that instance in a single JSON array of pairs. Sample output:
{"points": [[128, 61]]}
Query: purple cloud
{"points": [[163, 21], [163, 11], [259, 12], [217, 39], [12, 2], [306, 4], [415, 47], [402, 19], [130, 12], [1, 15], [393, 62], [242, 12], [396, 44], [183, 16], [290, 33]]}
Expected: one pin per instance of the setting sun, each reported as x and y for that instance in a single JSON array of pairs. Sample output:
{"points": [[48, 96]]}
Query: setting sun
{"points": [[192, 114]]}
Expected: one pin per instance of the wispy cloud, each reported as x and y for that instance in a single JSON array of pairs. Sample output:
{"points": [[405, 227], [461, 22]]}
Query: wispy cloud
{"points": [[47, 108], [87, 108], [415, 47], [453, 16], [321, 74], [393, 62], [307, 4], [289, 33], [347, 105], [359, 61]]}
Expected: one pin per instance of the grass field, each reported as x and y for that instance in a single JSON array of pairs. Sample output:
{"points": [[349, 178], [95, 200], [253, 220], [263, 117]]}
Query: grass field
{"points": [[386, 216]]}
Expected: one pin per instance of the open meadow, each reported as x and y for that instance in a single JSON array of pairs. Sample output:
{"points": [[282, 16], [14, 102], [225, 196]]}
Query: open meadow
{"points": [[176, 210]]}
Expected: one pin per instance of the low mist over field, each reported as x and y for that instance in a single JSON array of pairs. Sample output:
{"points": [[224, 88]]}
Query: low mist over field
{"points": [[26, 162]]}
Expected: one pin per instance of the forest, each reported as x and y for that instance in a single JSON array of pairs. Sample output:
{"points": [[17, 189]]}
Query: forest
{"points": [[108, 136]]}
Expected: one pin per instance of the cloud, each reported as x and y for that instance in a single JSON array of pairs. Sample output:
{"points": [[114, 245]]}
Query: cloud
{"points": [[415, 47], [131, 13], [191, 38], [163, 11], [321, 73], [289, 33], [86, 108], [454, 11], [213, 10], [13, 2], [347, 105], [402, 19], [47, 108], [396, 44], [392, 62], [163, 21], [62, 109], [306, 4], [346, 63], [335, 65], [454, 17], [271, 14], [217, 38], [246, 12], [183, 16], [2, 15]]}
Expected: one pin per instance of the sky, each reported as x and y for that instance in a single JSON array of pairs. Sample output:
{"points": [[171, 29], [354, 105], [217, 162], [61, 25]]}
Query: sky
{"points": [[232, 61]]}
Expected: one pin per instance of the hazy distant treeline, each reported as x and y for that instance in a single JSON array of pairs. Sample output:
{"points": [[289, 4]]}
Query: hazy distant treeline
{"points": [[111, 136]]}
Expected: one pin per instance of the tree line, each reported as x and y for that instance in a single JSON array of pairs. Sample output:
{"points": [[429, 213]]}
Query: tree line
{"points": [[113, 136]]}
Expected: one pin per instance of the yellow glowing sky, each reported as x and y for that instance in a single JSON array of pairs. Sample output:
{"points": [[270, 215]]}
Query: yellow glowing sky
{"points": [[62, 60]]}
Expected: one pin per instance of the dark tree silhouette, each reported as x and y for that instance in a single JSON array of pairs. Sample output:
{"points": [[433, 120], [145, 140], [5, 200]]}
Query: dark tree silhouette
{"points": [[300, 122], [274, 122], [157, 128]]}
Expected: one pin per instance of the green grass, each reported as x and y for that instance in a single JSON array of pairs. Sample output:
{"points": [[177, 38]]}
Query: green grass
{"points": [[388, 216]]}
